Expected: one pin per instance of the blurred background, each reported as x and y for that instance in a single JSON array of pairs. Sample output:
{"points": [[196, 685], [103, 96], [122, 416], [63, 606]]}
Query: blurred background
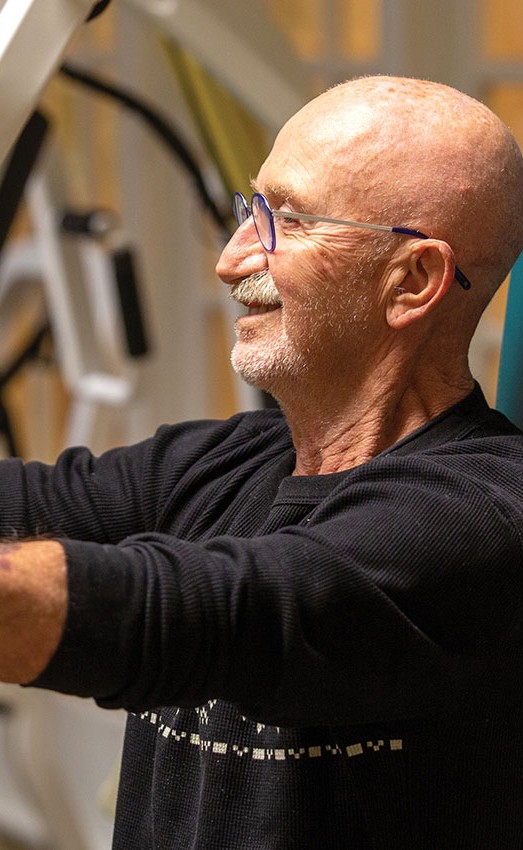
{"points": [[115, 205]]}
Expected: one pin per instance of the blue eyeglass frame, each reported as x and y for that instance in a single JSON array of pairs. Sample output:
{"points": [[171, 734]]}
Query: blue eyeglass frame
{"points": [[259, 202]]}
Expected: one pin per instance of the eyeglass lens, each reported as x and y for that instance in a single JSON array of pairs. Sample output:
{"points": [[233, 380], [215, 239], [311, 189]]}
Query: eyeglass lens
{"points": [[262, 216], [263, 221], [240, 208]]}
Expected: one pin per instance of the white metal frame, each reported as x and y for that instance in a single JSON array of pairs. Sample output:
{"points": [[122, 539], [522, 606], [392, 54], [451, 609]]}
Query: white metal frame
{"points": [[33, 38], [254, 62]]}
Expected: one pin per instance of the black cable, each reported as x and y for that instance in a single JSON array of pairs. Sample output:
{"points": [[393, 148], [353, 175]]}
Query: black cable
{"points": [[18, 170], [159, 125], [30, 352], [98, 9]]}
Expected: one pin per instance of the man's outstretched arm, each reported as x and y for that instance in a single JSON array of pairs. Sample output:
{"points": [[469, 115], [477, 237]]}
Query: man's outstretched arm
{"points": [[33, 607]]}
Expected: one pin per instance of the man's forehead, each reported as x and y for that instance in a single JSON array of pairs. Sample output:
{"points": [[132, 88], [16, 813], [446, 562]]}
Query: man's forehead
{"points": [[314, 148], [331, 120]]}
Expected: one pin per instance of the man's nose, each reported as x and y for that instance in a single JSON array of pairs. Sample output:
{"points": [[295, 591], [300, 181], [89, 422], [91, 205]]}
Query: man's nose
{"points": [[243, 255]]}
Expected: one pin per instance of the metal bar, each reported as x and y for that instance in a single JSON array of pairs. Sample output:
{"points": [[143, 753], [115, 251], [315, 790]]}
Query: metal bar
{"points": [[254, 62], [33, 38]]}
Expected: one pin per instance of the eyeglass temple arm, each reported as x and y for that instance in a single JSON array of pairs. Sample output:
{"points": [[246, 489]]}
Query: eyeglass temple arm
{"points": [[309, 217], [463, 281]]}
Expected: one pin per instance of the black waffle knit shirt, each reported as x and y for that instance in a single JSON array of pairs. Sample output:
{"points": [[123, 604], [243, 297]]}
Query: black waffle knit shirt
{"points": [[339, 658]]}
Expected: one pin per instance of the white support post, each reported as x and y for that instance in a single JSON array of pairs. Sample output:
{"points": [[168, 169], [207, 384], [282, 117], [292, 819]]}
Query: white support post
{"points": [[33, 38]]}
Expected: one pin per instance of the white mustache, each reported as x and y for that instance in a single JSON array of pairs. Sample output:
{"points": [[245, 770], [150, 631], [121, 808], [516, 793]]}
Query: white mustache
{"points": [[258, 288]]}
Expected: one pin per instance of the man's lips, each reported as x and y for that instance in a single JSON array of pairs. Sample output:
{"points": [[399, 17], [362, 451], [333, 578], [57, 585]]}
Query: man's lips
{"points": [[257, 308]]}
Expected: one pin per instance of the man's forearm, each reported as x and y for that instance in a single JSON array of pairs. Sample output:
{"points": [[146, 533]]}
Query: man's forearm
{"points": [[33, 607]]}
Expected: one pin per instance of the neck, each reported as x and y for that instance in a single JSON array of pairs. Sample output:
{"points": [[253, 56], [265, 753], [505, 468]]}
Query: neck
{"points": [[340, 430]]}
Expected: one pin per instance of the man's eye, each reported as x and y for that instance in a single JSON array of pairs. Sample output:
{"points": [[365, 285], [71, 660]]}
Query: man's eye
{"points": [[287, 217]]}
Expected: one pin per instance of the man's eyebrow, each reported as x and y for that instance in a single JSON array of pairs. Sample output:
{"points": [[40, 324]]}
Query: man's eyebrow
{"points": [[276, 192]]}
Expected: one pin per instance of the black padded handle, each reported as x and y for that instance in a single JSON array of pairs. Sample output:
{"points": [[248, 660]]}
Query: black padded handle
{"points": [[128, 293]]}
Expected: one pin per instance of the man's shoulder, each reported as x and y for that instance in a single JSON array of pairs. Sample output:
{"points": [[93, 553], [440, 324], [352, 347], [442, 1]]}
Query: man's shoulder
{"points": [[241, 436], [244, 425], [469, 427]]}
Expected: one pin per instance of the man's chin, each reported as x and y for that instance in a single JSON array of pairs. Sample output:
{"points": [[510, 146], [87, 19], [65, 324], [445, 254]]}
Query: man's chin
{"points": [[253, 367], [251, 375], [268, 368]]}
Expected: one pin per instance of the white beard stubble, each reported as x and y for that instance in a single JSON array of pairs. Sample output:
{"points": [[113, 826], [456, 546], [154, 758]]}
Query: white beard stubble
{"points": [[275, 361], [263, 362]]}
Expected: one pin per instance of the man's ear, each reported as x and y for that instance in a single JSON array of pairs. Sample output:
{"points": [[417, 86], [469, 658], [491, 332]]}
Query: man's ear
{"points": [[425, 278]]}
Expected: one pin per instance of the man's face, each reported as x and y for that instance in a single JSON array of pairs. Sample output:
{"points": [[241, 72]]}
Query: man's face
{"points": [[309, 304]]}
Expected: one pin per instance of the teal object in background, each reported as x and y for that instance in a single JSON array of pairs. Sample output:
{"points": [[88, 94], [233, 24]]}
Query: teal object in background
{"points": [[509, 397]]}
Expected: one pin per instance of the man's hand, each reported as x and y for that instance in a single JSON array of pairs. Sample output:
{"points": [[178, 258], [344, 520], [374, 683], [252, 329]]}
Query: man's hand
{"points": [[33, 607]]}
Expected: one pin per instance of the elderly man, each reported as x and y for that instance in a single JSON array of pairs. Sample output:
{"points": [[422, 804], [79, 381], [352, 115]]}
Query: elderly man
{"points": [[327, 600]]}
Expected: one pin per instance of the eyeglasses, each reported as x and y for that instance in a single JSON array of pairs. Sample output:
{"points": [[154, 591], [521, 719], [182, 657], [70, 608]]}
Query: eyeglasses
{"points": [[263, 217]]}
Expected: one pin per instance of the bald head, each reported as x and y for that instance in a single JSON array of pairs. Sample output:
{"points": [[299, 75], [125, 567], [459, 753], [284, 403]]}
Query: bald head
{"points": [[425, 156]]}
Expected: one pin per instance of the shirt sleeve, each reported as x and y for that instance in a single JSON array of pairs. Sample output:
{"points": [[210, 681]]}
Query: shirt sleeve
{"points": [[80, 496], [398, 598], [105, 498]]}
